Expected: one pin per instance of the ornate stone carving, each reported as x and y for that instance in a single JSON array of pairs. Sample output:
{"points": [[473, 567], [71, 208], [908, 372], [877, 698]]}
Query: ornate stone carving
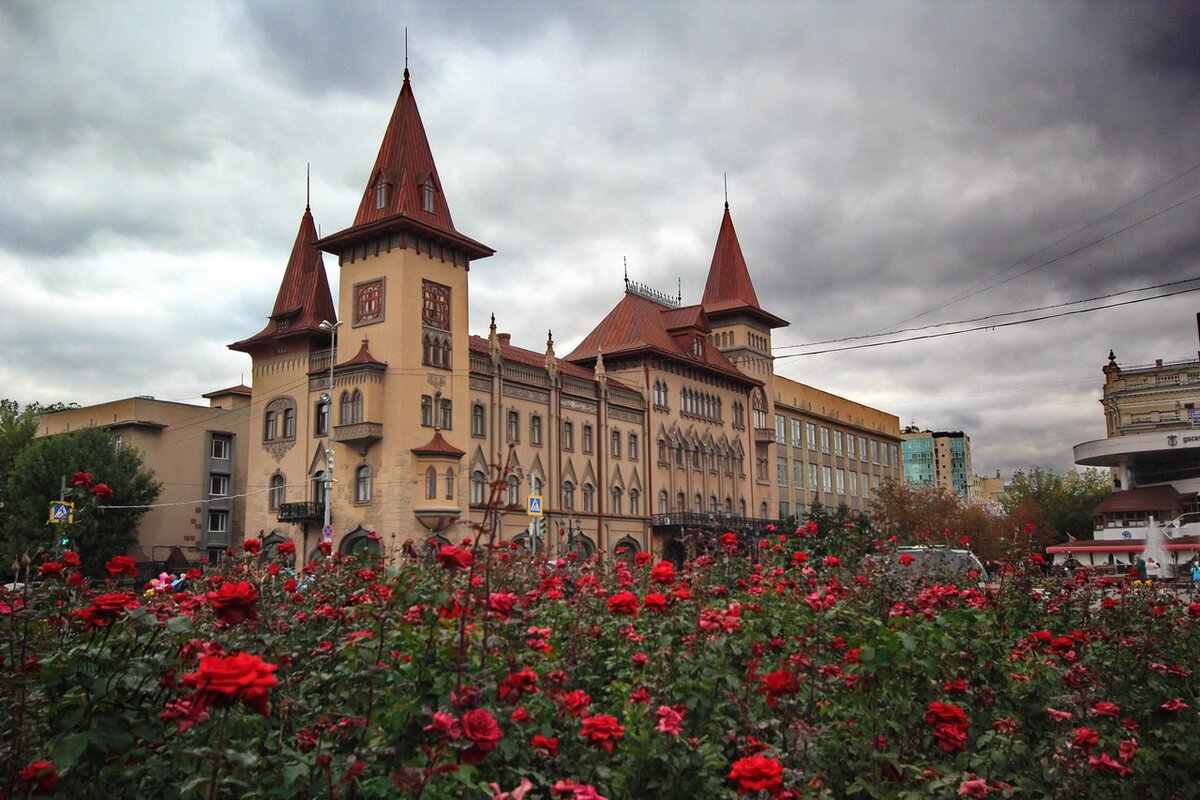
{"points": [[279, 449], [579, 405], [526, 394]]}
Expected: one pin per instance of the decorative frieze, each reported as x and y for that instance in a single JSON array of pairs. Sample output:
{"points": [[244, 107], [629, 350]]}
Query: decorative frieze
{"points": [[481, 384], [586, 406], [523, 393], [623, 414]]}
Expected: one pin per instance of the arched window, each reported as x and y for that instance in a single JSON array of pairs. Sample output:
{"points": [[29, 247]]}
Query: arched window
{"points": [[663, 508], [697, 503], [427, 196], [634, 502], [289, 423], [589, 497], [514, 426], [742, 507], [535, 484], [356, 406], [276, 495], [713, 506], [680, 502], [449, 483], [514, 490], [318, 487], [321, 423], [478, 486], [430, 483], [345, 411], [662, 451], [728, 505], [616, 500], [762, 510], [568, 496], [362, 484], [477, 420], [269, 423], [380, 192], [426, 411], [427, 349], [616, 444]]}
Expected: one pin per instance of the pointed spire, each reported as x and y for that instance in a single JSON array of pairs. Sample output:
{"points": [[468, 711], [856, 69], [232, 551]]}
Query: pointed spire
{"points": [[601, 374], [551, 358], [729, 287], [494, 341], [304, 299], [404, 179]]}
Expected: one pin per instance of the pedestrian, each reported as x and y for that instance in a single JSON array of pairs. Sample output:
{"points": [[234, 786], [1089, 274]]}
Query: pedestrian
{"points": [[1195, 575], [1152, 569], [1140, 567]]}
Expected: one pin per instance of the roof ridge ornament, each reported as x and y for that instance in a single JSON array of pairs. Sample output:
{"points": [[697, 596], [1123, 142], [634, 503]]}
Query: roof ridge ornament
{"points": [[642, 290]]}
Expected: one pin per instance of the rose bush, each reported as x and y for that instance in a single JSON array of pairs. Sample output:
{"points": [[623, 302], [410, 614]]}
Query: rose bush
{"points": [[788, 665]]}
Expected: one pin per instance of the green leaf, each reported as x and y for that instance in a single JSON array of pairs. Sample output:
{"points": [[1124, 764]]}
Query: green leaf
{"points": [[67, 750], [180, 624]]}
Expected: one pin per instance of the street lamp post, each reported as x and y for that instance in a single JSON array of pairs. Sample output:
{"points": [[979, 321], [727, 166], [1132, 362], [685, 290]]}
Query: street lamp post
{"points": [[332, 327]]}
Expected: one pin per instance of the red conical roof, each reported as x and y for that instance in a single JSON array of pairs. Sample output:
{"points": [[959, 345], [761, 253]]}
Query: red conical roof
{"points": [[304, 299], [403, 190], [729, 287], [405, 164]]}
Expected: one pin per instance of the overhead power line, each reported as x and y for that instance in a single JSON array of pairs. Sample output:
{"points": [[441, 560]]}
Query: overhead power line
{"points": [[988, 327], [991, 316]]}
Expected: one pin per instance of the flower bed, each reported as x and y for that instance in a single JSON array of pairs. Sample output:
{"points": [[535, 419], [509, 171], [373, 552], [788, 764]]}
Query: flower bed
{"points": [[761, 669]]}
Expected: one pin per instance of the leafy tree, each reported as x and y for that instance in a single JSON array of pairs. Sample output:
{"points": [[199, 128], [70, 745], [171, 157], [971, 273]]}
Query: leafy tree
{"points": [[1066, 501], [17, 429], [101, 528], [916, 512]]}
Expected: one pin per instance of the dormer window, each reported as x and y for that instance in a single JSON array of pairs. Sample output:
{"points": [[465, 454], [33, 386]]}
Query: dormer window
{"points": [[698, 347], [380, 193], [427, 196]]}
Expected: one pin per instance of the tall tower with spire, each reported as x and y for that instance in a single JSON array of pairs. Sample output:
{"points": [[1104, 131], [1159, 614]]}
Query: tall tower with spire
{"points": [[403, 302]]}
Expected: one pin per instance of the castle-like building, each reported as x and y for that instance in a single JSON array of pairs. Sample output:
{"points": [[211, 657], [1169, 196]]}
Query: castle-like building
{"points": [[664, 425]]}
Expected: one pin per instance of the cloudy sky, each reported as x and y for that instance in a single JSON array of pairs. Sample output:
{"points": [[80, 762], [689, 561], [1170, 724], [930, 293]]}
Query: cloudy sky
{"points": [[889, 166]]}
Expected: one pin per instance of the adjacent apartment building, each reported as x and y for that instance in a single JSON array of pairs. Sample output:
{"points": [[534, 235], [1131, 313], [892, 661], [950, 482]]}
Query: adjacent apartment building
{"points": [[199, 455], [941, 458]]}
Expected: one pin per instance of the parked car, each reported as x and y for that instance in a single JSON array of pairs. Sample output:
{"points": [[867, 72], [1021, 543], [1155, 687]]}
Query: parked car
{"points": [[934, 563]]}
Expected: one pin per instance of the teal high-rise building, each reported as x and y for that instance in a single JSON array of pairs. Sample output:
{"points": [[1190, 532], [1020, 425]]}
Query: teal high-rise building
{"points": [[941, 458]]}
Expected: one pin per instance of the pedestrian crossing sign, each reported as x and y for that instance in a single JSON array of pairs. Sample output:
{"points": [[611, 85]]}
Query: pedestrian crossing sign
{"points": [[62, 512], [535, 505]]}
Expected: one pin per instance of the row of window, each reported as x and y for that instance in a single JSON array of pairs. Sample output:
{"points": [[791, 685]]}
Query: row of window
{"points": [[700, 458], [363, 485], [279, 421], [843, 444], [479, 492], [829, 478], [512, 432], [714, 506]]}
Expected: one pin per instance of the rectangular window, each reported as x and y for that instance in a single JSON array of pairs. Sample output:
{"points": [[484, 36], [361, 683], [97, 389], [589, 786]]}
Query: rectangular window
{"points": [[218, 485], [616, 444], [568, 439], [837, 443], [785, 510], [796, 438], [841, 481], [781, 471], [117, 442], [826, 479], [514, 426], [426, 411], [633, 452], [220, 447], [269, 425], [218, 521], [824, 440], [853, 483], [850, 445], [811, 430], [813, 483], [587, 438], [798, 474], [478, 422], [780, 429], [535, 429], [874, 452], [447, 415], [885, 455], [321, 419]]}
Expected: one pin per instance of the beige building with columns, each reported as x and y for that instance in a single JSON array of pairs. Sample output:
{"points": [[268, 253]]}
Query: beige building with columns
{"points": [[658, 431]]}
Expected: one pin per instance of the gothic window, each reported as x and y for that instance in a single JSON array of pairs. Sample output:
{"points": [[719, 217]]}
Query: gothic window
{"points": [[430, 484], [514, 426], [616, 444], [426, 411], [321, 418], [356, 406], [535, 429], [447, 415], [514, 490], [663, 508], [568, 496], [380, 192], [568, 436], [477, 420], [587, 438], [633, 447], [634, 504], [427, 196], [450, 483], [368, 302], [713, 507], [478, 486], [741, 508], [616, 500], [362, 484], [589, 495], [680, 502], [318, 487], [289, 423], [662, 451], [276, 495], [697, 503]]}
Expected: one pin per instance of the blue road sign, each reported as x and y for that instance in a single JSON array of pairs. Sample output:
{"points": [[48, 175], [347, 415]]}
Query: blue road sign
{"points": [[62, 512], [535, 505]]}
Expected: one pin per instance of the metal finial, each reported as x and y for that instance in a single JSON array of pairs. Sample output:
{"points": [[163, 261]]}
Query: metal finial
{"points": [[679, 290], [726, 177], [406, 52], [625, 261], [308, 186]]}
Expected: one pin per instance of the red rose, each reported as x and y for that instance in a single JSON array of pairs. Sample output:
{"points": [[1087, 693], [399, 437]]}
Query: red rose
{"points": [[663, 572], [241, 677], [654, 602], [82, 480], [623, 603], [482, 729], [105, 608], [517, 684], [286, 548], [51, 569], [778, 683], [121, 565], [102, 491], [757, 773], [602, 730], [71, 559], [37, 778], [452, 557], [252, 546], [575, 702], [545, 745], [945, 713], [906, 559], [234, 602]]}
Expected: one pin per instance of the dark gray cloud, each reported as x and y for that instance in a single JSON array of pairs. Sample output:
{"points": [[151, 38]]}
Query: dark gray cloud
{"points": [[883, 159]]}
